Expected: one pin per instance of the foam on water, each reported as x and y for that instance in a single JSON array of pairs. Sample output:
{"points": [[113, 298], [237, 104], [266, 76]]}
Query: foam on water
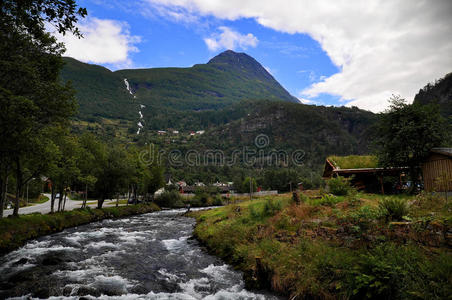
{"points": [[143, 257], [175, 244]]}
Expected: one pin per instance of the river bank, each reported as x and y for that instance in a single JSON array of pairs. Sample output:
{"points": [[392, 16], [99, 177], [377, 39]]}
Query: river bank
{"points": [[332, 249], [15, 232]]}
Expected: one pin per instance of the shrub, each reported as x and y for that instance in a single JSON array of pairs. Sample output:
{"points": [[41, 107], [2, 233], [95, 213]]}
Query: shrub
{"points": [[392, 271], [217, 201], [271, 207], [327, 199], [393, 208], [339, 186], [201, 197], [169, 199]]}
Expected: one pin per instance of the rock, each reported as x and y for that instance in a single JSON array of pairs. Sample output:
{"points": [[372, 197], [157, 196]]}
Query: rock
{"points": [[86, 290], [42, 293], [21, 261], [52, 260]]}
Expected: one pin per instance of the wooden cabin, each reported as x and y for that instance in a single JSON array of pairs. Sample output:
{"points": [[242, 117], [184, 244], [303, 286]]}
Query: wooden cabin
{"points": [[437, 170], [364, 172]]}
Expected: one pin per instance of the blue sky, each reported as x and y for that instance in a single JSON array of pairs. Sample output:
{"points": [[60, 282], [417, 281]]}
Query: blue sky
{"points": [[322, 53]]}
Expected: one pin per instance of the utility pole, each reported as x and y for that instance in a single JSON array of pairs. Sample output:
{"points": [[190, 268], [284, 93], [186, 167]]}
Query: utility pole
{"points": [[251, 188], [27, 192]]}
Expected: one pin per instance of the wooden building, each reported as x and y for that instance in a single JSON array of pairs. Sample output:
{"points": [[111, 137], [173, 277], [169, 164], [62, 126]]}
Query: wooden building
{"points": [[437, 170], [364, 172]]}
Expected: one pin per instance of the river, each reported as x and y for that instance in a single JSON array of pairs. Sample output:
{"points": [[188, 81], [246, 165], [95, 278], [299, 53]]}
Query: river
{"points": [[150, 256]]}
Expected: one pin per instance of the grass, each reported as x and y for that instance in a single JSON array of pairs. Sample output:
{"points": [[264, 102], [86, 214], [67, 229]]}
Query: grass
{"points": [[354, 161], [32, 201], [41, 199], [15, 231], [328, 249]]}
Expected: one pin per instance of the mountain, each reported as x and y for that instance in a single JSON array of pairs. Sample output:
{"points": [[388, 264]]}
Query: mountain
{"points": [[440, 93], [316, 130], [99, 91], [228, 78]]}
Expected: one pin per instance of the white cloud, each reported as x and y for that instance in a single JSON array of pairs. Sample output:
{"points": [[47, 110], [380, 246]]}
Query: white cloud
{"points": [[381, 47], [230, 39], [104, 41], [306, 101]]}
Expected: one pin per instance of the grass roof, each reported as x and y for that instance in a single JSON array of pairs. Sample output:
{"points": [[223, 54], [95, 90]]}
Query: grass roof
{"points": [[354, 161]]}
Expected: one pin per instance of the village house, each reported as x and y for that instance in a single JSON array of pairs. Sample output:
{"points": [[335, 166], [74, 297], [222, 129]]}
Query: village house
{"points": [[364, 173]]}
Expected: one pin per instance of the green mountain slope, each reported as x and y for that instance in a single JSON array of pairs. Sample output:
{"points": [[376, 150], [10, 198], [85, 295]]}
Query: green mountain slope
{"points": [[317, 130], [226, 79], [99, 91], [440, 92]]}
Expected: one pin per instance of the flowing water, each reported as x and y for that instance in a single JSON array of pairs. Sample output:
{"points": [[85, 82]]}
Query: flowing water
{"points": [[149, 256]]}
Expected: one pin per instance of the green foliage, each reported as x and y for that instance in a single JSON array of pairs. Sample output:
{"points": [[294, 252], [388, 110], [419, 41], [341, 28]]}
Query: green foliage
{"points": [[100, 92], [438, 93], [339, 186], [400, 272], [393, 208], [264, 209], [169, 199], [406, 133], [273, 254], [217, 200], [280, 179], [272, 206], [31, 97], [326, 199], [204, 86], [245, 186]]}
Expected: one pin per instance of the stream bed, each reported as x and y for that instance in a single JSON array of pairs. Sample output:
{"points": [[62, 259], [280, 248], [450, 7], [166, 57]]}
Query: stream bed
{"points": [[150, 256]]}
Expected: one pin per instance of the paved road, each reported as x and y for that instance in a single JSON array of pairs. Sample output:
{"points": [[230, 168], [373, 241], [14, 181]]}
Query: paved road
{"points": [[44, 208]]}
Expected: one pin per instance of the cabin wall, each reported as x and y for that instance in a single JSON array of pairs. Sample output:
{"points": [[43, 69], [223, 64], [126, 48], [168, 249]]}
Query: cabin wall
{"points": [[437, 173]]}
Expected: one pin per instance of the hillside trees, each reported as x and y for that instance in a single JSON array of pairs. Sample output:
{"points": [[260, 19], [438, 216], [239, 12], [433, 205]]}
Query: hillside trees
{"points": [[31, 96], [64, 169], [112, 172], [405, 134]]}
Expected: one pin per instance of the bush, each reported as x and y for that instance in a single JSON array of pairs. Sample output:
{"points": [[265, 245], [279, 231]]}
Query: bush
{"points": [[392, 271], [327, 199], [169, 199], [217, 201], [393, 208], [202, 198], [339, 186], [271, 207]]}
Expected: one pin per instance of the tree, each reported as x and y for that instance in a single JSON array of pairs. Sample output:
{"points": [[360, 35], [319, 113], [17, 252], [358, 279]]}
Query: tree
{"points": [[406, 133], [112, 174], [31, 95], [90, 149], [64, 169], [249, 185]]}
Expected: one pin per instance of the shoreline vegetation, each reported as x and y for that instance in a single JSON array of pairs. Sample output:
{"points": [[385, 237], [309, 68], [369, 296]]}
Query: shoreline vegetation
{"points": [[15, 232], [335, 247]]}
